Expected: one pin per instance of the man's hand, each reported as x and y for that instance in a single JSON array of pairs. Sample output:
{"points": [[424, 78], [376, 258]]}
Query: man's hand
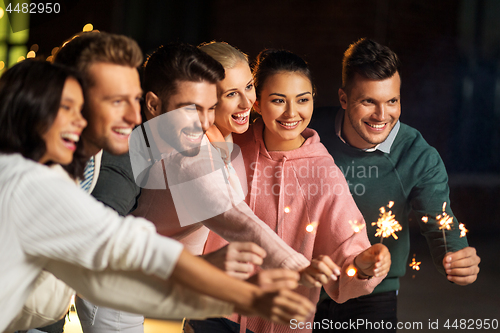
{"points": [[237, 259], [374, 261], [319, 272], [462, 266]]}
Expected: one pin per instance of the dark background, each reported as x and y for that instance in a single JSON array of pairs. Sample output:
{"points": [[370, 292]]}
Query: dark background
{"points": [[450, 53]]}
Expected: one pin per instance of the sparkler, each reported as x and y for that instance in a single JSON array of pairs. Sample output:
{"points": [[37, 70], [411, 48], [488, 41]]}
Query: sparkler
{"points": [[445, 222], [356, 227], [387, 224]]}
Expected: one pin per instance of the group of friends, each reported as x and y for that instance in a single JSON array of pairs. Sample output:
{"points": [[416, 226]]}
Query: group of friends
{"points": [[227, 207]]}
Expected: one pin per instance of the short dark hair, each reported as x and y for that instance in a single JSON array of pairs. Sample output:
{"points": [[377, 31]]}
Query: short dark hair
{"points": [[173, 63], [271, 61], [370, 60], [30, 96], [87, 48]]}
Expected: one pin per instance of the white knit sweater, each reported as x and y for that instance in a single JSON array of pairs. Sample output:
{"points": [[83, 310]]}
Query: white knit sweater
{"points": [[44, 219]]}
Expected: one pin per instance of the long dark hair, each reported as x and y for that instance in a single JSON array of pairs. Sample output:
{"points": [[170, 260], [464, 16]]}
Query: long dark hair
{"points": [[30, 95]]}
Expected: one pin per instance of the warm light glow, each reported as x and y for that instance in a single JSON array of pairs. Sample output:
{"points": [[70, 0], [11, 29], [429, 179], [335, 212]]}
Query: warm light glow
{"points": [[88, 27], [445, 221], [425, 219], [21, 58], [351, 271], [34, 47], [356, 226], [287, 209], [2, 12], [391, 203], [387, 224], [463, 231], [31, 54], [54, 50], [49, 58], [311, 227], [2, 65], [415, 264]]}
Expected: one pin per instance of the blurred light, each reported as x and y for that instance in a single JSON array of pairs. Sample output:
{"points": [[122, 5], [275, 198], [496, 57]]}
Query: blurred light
{"points": [[88, 27], [2, 65], [2, 12], [351, 271], [54, 50], [287, 210], [309, 228], [49, 58], [34, 47], [31, 54]]}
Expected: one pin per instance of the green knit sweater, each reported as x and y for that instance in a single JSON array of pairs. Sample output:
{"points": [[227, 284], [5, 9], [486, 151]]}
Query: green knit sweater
{"points": [[412, 175]]}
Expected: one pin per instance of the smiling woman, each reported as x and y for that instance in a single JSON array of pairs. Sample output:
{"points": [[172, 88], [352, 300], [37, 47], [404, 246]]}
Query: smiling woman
{"points": [[40, 114]]}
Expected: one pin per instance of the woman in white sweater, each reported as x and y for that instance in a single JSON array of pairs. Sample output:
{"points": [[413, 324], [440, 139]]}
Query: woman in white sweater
{"points": [[47, 223]]}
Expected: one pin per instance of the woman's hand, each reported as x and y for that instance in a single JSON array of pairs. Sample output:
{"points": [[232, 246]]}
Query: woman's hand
{"points": [[374, 261], [319, 272], [237, 259]]}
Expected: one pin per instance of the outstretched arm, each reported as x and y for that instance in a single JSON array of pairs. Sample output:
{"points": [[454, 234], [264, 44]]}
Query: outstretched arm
{"points": [[279, 305]]}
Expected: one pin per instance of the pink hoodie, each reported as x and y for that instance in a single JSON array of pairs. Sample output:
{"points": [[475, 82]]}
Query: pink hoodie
{"points": [[291, 190]]}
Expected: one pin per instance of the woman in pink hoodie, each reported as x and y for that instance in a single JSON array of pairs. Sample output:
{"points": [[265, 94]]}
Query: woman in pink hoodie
{"points": [[295, 186]]}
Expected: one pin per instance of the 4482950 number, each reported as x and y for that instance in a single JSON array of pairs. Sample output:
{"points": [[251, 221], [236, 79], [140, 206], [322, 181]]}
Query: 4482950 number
{"points": [[34, 8], [471, 324]]}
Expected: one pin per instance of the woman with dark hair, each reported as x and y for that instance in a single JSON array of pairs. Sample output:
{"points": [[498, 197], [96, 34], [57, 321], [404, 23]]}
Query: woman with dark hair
{"points": [[295, 186], [40, 113], [48, 224]]}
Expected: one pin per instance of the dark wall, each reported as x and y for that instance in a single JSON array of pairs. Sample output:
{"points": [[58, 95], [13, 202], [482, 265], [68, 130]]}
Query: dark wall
{"points": [[449, 50]]}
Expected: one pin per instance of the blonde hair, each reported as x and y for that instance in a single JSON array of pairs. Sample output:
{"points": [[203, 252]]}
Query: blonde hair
{"points": [[227, 55]]}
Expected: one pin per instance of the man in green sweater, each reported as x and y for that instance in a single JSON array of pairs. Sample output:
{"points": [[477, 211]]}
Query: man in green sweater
{"points": [[383, 161]]}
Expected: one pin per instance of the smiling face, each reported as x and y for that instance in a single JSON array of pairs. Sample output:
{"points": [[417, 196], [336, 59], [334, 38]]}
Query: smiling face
{"points": [[236, 97], [372, 109], [286, 105], [191, 112], [112, 108], [64, 133]]}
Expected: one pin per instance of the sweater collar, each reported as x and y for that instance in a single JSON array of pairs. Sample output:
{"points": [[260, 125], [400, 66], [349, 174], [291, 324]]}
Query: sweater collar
{"points": [[311, 146], [384, 147]]}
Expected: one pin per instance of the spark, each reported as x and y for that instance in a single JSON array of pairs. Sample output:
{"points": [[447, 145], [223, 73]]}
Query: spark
{"points": [[351, 271], [287, 210], [463, 231], [415, 265], [356, 226], [311, 227], [425, 219], [387, 224], [445, 221]]}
